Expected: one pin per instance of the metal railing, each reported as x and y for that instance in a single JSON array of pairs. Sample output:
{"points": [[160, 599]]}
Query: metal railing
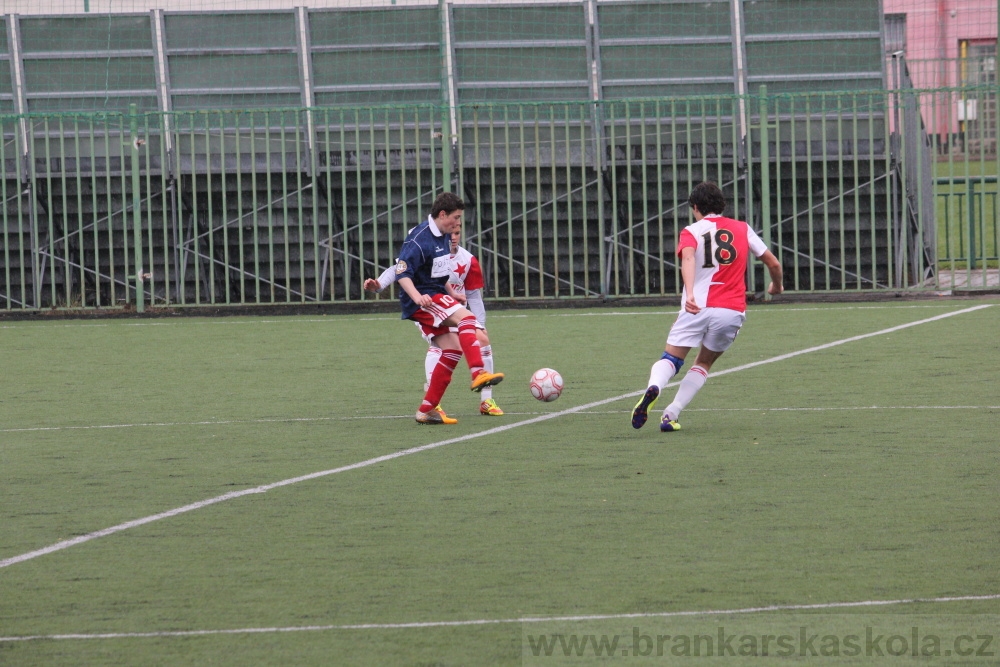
{"points": [[969, 210], [572, 200]]}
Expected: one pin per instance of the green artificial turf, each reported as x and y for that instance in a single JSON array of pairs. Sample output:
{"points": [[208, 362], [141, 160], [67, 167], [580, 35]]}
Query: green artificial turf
{"points": [[864, 471]]}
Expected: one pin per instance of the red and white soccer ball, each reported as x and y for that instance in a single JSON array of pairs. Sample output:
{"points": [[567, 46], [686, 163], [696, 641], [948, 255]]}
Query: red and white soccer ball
{"points": [[546, 384]]}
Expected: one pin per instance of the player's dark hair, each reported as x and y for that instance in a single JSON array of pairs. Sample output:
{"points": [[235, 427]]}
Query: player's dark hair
{"points": [[708, 198], [448, 202]]}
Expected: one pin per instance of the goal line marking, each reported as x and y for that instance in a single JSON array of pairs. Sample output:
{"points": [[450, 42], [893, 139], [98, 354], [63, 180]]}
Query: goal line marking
{"points": [[502, 621], [81, 539]]}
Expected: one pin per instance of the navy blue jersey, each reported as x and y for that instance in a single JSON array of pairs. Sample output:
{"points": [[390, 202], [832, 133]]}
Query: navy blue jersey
{"points": [[425, 258]]}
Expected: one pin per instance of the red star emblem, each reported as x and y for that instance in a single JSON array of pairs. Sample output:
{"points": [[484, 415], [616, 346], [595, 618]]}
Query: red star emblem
{"points": [[460, 269]]}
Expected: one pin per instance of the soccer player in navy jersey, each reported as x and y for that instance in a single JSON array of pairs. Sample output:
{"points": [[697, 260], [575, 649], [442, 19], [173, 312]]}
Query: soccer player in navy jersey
{"points": [[466, 281], [714, 251], [422, 271]]}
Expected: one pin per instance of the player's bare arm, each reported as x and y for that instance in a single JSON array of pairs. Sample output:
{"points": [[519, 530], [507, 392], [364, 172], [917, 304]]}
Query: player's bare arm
{"points": [[453, 294], [687, 274], [774, 268], [411, 289]]}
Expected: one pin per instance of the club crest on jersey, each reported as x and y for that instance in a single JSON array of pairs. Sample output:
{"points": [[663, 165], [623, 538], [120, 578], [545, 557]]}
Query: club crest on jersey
{"points": [[400, 267]]}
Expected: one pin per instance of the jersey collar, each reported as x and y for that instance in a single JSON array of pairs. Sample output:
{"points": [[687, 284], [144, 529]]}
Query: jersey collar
{"points": [[433, 227]]}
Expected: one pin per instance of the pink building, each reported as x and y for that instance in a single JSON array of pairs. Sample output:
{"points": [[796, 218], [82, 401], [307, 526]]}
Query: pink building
{"points": [[949, 44]]}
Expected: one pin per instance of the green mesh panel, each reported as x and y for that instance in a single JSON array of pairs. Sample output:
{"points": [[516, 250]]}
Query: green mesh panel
{"points": [[817, 16], [376, 56], [246, 60], [517, 53], [810, 45], [88, 63], [6, 82], [665, 48]]}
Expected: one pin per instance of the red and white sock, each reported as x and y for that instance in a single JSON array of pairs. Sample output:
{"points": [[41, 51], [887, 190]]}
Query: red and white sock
{"points": [[692, 382], [470, 345], [487, 352], [430, 363], [440, 379], [660, 373]]}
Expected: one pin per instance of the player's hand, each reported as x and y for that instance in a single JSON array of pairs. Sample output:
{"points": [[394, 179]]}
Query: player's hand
{"points": [[371, 285], [425, 300], [692, 307], [773, 288], [459, 297]]}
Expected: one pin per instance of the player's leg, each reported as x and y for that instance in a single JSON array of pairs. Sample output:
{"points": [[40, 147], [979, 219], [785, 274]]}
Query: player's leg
{"points": [[441, 374], [659, 376], [430, 363], [693, 381], [431, 360], [487, 405], [686, 333], [722, 329], [468, 340], [439, 381]]}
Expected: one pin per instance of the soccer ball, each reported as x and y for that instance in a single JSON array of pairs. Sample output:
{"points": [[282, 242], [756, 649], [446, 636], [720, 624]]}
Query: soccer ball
{"points": [[546, 384]]}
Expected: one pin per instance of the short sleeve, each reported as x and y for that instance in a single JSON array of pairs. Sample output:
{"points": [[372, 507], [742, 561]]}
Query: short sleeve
{"points": [[687, 240], [474, 280], [757, 247], [410, 256]]}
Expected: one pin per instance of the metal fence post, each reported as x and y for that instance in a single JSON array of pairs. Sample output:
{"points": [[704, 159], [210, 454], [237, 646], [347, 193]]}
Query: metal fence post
{"points": [[970, 189], [448, 103], [765, 175], [133, 122]]}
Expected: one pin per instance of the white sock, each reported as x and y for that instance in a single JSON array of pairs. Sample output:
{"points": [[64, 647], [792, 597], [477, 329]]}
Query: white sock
{"points": [[692, 382], [660, 373], [487, 352], [430, 363]]}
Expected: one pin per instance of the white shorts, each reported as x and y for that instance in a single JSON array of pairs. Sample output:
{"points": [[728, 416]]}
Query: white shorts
{"points": [[714, 328]]}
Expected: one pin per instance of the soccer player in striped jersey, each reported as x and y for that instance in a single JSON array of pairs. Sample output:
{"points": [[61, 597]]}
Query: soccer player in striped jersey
{"points": [[713, 251], [466, 282]]}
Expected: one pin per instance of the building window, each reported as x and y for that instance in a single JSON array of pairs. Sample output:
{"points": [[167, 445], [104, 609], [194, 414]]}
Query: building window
{"points": [[977, 105], [895, 33], [981, 69]]}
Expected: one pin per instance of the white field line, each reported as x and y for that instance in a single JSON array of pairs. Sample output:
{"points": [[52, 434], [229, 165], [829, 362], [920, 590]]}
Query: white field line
{"points": [[793, 409], [81, 539], [293, 420], [503, 621], [229, 321], [220, 422]]}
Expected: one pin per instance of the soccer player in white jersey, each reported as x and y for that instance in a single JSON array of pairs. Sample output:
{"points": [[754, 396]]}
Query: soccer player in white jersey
{"points": [[466, 282], [714, 251]]}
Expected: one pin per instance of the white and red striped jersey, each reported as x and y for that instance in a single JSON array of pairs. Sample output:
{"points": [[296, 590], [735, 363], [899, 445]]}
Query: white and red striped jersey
{"points": [[722, 247], [465, 272]]}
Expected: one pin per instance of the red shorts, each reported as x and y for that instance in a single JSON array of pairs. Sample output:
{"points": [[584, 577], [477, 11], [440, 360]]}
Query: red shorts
{"points": [[429, 318]]}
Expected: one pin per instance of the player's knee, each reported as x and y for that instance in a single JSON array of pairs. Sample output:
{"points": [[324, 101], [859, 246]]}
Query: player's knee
{"points": [[677, 362]]}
